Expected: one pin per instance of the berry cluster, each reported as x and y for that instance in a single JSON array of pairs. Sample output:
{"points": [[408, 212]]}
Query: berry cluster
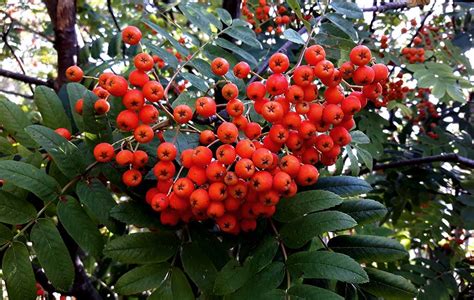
{"points": [[392, 90], [427, 117], [414, 55], [239, 172]]}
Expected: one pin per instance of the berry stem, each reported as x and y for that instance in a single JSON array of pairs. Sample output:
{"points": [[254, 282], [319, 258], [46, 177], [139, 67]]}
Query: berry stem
{"points": [[285, 255]]}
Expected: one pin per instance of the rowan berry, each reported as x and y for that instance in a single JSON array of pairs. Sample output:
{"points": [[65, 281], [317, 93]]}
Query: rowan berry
{"points": [[132, 177], [245, 148], [340, 136], [244, 168], [65, 133], [307, 175], [219, 66], [74, 74], [332, 114], [124, 157], [153, 91], [295, 94], [104, 152], [215, 171], [116, 85], [127, 120], [140, 159], [169, 217], [182, 113], [279, 63], [360, 55], [226, 154], [290, 164], [363, 75], [230, 91], [197, 175], [159, 202], [350, 105], [166, 151], [334, 95], [215, 209], [235, 108], [101, 107], [202, 156], [199, 199], [205, 107], [272, 111], [227, 133], [241, 70], [164, 170], [143, 134], [314, 54], [143, 62], [137, 78], [206, 137], [131, 35], [133, 100], [256, 90], [324, 69], [303, 76]]}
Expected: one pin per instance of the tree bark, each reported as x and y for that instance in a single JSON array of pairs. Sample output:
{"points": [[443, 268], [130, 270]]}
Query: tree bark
{"points": [[63, 17]]}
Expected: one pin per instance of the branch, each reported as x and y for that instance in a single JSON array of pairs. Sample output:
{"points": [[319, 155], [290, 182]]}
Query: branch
{"points": [[24, 78], [388, 6], [16, 94], [111, 11], [451, 157]]}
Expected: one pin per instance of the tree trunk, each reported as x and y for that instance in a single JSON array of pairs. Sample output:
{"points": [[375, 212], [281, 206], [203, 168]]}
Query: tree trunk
{"points": [[63, 17]]}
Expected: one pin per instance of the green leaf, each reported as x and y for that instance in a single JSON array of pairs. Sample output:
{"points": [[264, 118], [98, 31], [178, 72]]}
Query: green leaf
{"points": [[355, 169], [309, 292], [367, 248], [142, 248], [198, 266], [202, 67], [303, 203], [293, 36], [343, 185], [182, 141], [96, 47], [76, 91], [52, 254], [326, 265], [300, 231], [79, 226], [89, 193], [224, 16], [209, 243], [18, 273], [176, 287], [15, 210], [388, 285], [244, 34], [237, 50], [343, 24], [232, 277], [167, 57], [134, 213], [142, 278], [164, 33], [427, 80], [455, 92], [196, 81], [366, 157], [28, 177], [115, 44], [51, 108], [6, 235], [64, 153], [364, 211], [349, 9], [263, 255], [358, 137], [14, 120], [185, 98], [439, 89], [6, 147], [262, 282]]}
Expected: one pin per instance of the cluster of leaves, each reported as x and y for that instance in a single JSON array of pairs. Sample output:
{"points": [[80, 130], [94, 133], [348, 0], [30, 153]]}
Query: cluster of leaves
{"points": [[326, 242]]}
